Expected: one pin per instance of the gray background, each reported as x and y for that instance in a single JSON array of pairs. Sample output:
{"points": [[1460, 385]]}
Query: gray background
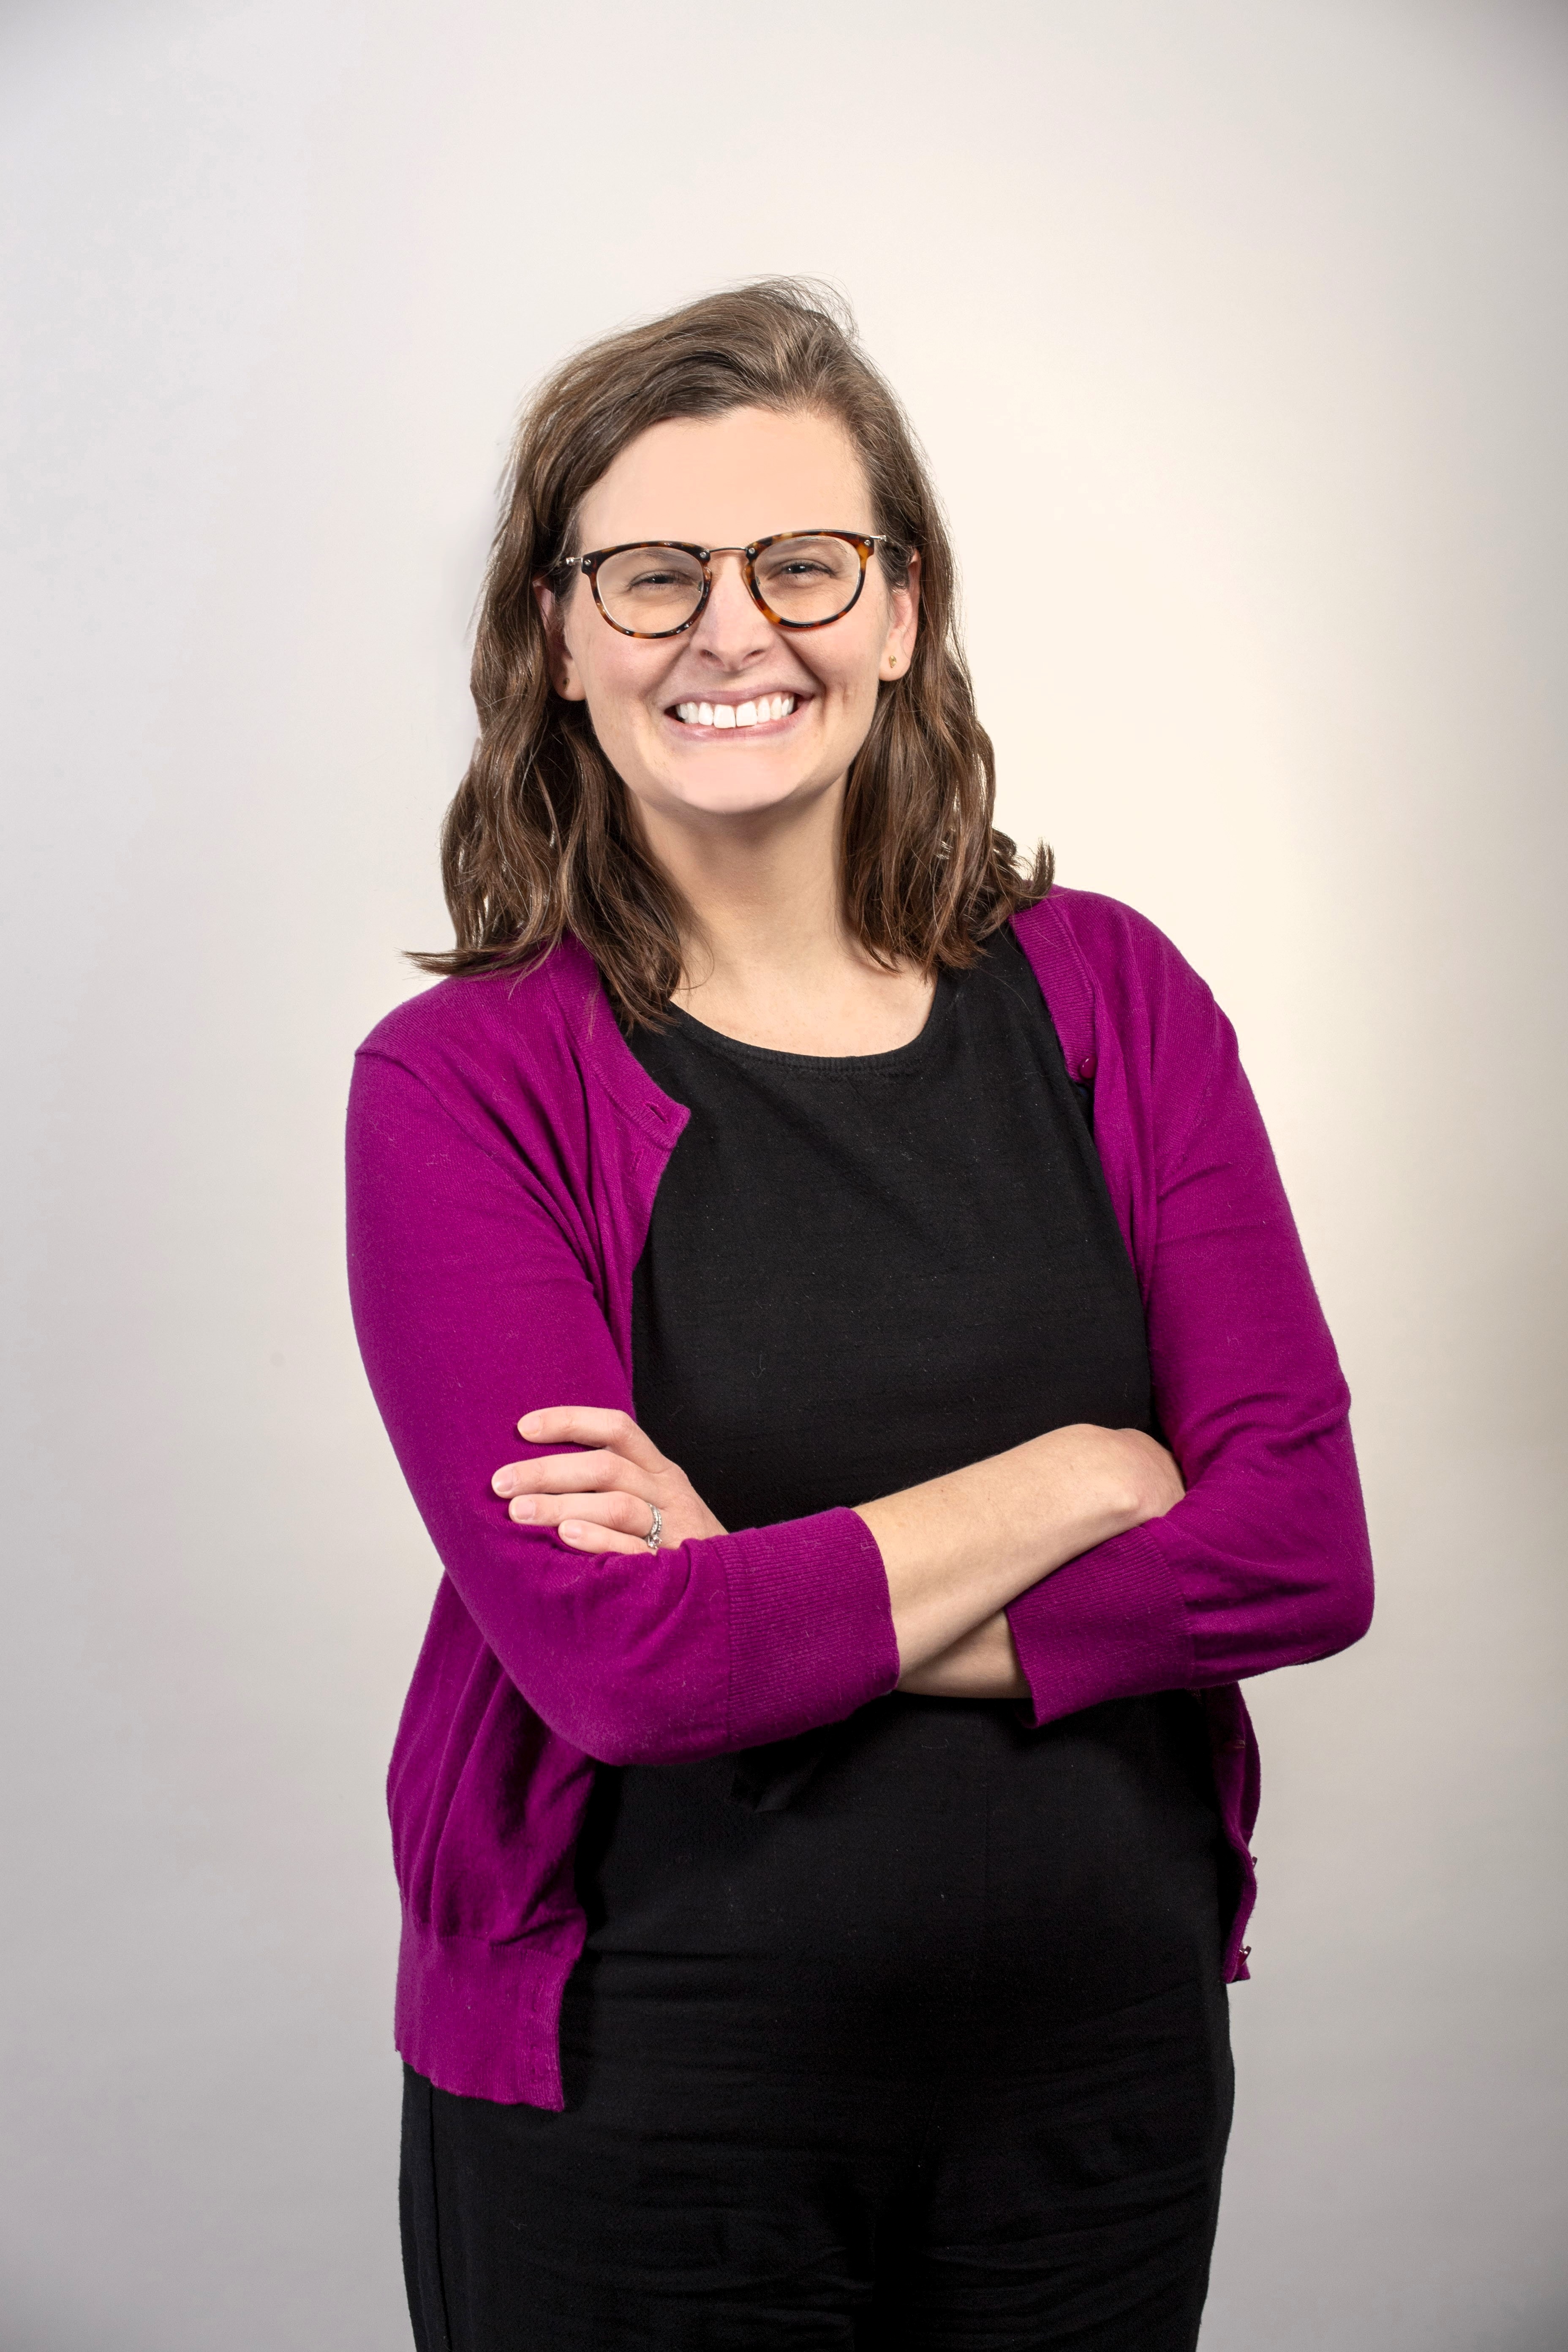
{"points": [[1237, 333]]}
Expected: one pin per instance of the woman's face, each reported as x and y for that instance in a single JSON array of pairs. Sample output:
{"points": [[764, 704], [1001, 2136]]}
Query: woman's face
{"points": [[727, 481]]}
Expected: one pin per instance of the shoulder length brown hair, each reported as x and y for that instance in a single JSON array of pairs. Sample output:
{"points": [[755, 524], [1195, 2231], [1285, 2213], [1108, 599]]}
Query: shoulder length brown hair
{"points": [[541, 841]]}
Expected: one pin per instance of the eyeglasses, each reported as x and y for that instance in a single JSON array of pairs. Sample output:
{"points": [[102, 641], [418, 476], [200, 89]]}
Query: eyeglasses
{"points": [[658, 587]]}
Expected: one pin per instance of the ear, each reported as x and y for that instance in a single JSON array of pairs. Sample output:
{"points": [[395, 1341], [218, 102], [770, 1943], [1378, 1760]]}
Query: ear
{"points": [[903, 622], [564, 675]]}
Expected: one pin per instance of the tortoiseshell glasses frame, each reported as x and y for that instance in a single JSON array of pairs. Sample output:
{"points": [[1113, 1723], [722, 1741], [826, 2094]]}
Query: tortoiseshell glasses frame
{"points": [[864, 543]]}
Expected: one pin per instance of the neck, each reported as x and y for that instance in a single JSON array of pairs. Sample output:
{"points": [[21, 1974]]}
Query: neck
{"points": [[767, 957]]}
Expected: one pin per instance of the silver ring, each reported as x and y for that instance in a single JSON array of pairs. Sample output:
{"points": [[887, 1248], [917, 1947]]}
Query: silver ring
{"points": [[656, 1530]]}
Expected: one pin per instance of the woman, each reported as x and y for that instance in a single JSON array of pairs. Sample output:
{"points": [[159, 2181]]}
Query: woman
{"points": [[821, 1808]]}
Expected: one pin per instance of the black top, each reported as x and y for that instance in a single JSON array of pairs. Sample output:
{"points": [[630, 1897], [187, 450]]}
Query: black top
{"points": [[860, 1273], [863, 1272]]}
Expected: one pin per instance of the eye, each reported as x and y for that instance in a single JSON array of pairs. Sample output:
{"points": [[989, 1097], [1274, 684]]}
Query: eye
{"points": [[806, 566]]}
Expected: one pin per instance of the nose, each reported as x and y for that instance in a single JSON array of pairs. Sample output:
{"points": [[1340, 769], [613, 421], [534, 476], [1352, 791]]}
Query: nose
{"points": [[733, 630]]}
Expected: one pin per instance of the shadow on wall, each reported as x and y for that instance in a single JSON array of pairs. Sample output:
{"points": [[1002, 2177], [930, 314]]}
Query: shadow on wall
{"points": [[1545, 2332], [28, 2329]]}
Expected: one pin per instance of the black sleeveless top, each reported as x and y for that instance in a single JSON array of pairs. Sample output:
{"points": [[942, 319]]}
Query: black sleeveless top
{"points": [[861, 1273]]}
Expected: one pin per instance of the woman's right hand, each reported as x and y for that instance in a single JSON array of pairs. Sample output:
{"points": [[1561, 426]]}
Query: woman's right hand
{"points": [[958, 1549], [603, 1497], [1154, 1485]]}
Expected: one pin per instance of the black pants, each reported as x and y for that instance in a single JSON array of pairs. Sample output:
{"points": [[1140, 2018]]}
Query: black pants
{"points": [[935, 2055]]}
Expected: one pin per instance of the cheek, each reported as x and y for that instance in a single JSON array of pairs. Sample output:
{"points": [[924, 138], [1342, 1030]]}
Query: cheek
{"points": [[619, 679], [852, 685], [852, 668], [842, 667]]}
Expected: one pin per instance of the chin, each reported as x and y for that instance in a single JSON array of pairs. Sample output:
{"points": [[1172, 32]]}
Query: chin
{"points": [[732, 795]]}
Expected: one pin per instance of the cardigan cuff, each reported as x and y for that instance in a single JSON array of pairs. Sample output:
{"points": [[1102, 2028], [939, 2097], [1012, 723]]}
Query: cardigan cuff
{"points": [[1110, 1624], [811, 1625]]}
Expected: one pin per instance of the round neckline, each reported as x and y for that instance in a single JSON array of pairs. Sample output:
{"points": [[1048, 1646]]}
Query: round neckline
{"points": [[825, 1065]]}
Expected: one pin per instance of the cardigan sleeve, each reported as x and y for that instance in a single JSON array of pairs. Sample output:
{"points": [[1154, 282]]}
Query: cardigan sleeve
{"points": [[1266, 1562], [474, 1305]]}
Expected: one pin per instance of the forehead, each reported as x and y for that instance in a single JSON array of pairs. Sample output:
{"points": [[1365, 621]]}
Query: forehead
{"points": [[727, 480]]}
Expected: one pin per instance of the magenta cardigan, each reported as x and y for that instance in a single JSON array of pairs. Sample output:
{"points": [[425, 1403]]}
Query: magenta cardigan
{"points": [[504, 1149]]}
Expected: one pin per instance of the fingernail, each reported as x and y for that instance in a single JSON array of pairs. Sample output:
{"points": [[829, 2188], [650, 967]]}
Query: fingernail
{"points": [[523, 1508], [528, 1426], [500, 1484], [571, 1527]]}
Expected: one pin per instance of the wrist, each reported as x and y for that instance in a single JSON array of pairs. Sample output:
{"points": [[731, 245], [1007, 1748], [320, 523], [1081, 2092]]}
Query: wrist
{"points": [[1100, 1483], [980, 1665], [1141, 1481]]}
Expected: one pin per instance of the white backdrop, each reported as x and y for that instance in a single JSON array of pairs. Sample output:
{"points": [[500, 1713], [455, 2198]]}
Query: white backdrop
{"points": [[1238, 331]]}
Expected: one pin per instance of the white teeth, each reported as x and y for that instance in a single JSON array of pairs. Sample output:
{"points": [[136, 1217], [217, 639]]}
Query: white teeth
{"points": [[732, 714]]}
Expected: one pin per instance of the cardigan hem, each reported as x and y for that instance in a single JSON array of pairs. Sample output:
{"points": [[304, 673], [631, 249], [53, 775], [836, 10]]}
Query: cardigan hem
{"points": [[482, 2020]]}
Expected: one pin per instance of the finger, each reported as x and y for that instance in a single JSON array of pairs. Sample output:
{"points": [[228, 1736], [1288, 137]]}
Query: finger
{"points": [[570, 1473], [628, 1514], [586, 1535], [590, 1424]]}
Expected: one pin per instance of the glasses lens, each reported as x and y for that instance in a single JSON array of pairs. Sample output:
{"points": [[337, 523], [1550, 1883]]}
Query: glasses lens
{"points": [[808, 579], [650, 589]]}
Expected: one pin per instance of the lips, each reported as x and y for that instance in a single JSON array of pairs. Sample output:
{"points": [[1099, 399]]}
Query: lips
{"points": [[756, 712]]}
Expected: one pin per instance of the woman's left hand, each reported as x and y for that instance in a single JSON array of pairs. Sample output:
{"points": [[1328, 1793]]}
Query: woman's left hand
{"points": [[602, 1499]]}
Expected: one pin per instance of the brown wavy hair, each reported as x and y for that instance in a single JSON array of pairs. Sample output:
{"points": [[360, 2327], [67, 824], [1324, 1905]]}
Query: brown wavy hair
{"points": [[541, 840]]}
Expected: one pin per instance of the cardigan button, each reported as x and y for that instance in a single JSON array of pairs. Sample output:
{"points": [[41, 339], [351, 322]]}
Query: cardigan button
{"points": [[1234, 1744], [1088, 1067]]}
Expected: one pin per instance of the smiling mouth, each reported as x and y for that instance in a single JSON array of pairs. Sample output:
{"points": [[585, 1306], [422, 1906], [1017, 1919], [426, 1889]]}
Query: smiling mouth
{"points": [[758, 713]]}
